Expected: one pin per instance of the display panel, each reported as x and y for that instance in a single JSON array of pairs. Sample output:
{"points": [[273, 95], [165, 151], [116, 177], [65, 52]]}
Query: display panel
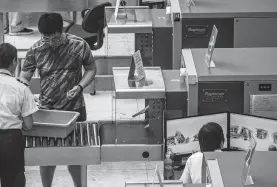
{"points": [[182, 134], [264, 130]]}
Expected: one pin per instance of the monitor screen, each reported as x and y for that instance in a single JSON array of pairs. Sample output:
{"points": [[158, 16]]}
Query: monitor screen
{"points": [[182, 134], [264, 130]]}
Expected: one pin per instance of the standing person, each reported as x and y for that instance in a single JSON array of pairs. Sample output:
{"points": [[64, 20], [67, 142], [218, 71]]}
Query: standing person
{"points": [[211, 138], [17, 105], [16, 26], [59, 58]]}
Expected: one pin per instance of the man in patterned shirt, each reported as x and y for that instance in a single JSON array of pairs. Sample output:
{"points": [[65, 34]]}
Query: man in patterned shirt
{"points": [[59, 58]]}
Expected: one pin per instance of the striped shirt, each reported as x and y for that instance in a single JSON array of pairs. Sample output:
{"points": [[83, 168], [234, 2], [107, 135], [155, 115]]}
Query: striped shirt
{"points": [[60, 69]]}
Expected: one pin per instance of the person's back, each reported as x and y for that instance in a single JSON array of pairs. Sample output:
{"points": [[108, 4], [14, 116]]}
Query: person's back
{"points": [[17, 106], [13, 94], [211, 138]]}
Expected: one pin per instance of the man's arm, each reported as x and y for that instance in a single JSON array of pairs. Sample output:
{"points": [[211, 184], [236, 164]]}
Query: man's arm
{"points": [[89, 66], [29, 66], [89, 74], [26, 75]]}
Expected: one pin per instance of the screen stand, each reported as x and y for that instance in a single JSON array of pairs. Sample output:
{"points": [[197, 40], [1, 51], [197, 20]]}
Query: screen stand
{"points": [[212, 64], [122, 15], [249, 181]]}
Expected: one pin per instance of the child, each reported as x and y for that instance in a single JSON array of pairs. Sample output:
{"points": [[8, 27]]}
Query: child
{"points": [[16, 108], [211, 138]]}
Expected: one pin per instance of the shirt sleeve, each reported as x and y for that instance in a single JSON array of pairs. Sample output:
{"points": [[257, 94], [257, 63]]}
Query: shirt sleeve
{"points": [[29, 106], [186, 178], [87, 56], [30, 62]]}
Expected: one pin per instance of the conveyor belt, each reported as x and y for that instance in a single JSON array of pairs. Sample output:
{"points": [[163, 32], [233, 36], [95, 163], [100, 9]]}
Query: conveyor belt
{"points": [[85, 134], [80, 147]]}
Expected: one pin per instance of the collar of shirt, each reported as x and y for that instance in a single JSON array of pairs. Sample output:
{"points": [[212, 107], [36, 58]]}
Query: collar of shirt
{"points": [[5, 72]]}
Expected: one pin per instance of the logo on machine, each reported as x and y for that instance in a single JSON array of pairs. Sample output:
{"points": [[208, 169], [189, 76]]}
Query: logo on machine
{"points": [[210, 95], [196, 30]]}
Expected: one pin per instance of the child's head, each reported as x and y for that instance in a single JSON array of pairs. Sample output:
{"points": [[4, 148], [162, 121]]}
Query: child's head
{"points": [[211, 137], [8, 57]]}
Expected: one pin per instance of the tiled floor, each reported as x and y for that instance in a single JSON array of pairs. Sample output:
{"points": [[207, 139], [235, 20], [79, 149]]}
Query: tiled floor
{"points": [[114, 44], [105, 175]]}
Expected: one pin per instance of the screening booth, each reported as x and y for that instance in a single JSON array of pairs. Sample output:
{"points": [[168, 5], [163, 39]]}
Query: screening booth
{"points": [[84, 145], [126, 137], [241, 24], [243, 80], [152, 30]]}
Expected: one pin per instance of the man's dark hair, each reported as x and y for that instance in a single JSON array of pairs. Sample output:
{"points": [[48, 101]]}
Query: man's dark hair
{"points": [[210, 137], [50, 23], [7, 54]]}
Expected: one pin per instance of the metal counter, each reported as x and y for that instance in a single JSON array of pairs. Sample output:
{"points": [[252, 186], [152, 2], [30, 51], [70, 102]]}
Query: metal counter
{"points": [[226, 8], [239, 73], [237, 64], [156, 88], [138, 20], [241, 24]]}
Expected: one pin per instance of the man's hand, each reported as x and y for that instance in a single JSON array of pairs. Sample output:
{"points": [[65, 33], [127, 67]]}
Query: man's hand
{"points": [[38, 103], [73, 92], [36, 99]]}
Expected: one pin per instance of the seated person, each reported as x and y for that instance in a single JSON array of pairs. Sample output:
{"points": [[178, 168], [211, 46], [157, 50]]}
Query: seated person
{"points": [[211, 138]]}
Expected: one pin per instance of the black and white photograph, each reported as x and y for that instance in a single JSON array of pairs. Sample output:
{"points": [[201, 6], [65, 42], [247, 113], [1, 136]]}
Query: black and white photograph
{"points": [[101, 93]]}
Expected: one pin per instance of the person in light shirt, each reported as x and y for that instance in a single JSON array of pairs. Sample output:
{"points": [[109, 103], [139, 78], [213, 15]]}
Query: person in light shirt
{"points": [[17, 105], [211, 138]]}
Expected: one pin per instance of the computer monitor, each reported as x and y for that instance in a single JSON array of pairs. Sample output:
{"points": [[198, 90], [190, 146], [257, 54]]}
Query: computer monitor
{"points": [[241, 126], [182, 133]]}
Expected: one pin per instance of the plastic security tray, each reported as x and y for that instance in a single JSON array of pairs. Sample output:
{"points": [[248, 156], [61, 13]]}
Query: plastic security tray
{"points": [[53, 123]]}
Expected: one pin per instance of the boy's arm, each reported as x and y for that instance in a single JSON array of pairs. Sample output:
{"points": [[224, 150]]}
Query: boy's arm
{"points": [[29, 107], [186, 178]]}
